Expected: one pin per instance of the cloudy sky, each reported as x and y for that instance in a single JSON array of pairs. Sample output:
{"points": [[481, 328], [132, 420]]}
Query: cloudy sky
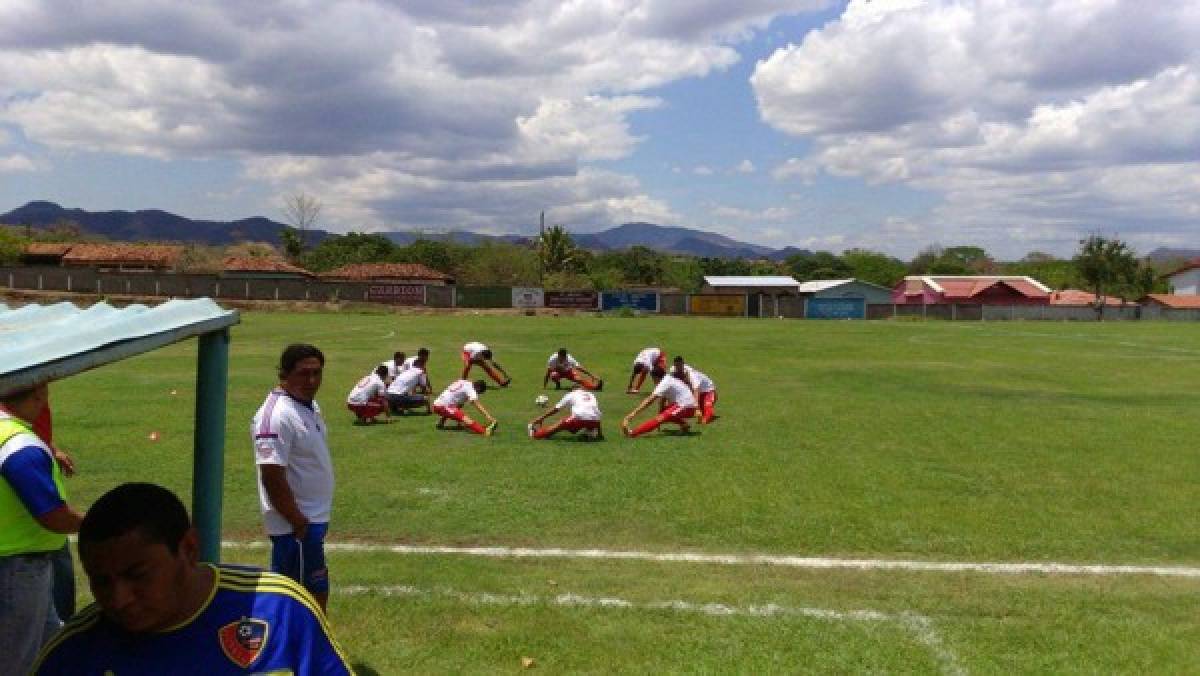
{"points": [[1017, 125]]}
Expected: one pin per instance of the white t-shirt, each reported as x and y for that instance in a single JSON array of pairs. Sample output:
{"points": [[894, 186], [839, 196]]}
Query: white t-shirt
{"points": [[406, 381], [370, 387], [553, 362], [456, 394], [701, 380], [473, 349], [286, 432], [583, 404], [675, 391], [408, 363], [647, 357]]}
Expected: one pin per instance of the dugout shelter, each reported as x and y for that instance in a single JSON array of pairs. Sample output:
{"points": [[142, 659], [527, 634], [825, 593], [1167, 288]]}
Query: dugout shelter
{"points": [[45, 343]]}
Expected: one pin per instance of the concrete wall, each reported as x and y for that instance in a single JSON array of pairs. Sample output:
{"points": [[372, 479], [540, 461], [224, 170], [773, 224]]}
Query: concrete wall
{"points": [[1186, 283]]}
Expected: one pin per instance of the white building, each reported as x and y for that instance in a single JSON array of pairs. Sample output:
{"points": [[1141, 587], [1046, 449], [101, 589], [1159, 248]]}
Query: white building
{"points": [[1186, 280]]}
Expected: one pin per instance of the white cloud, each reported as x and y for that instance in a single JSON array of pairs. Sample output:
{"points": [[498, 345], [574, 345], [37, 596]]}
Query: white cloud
{"points": [[702, 170], [390, 101], [1036, 120], [16, 163], [745, 167]]}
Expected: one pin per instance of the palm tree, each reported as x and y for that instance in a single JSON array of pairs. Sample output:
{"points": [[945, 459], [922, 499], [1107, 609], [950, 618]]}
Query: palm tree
{"points": [[556, 250]]}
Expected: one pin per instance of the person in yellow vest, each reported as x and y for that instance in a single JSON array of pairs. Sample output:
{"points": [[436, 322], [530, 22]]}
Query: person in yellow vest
{"points": [[34, 521]]}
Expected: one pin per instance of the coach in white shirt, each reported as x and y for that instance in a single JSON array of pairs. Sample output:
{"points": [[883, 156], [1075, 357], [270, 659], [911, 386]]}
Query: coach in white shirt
{"points": [[295, 470]]}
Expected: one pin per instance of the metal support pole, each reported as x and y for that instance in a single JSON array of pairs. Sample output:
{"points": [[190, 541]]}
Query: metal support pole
{"points": [[212, 373]]}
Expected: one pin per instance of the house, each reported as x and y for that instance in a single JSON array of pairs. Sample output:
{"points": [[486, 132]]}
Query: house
{"points": [[841, 298], [389, 273], [970, 290], [770, 285], [136, 257], [45, 253], [1171, 301], [262, 268], [1186, 280], [1081, 298]]}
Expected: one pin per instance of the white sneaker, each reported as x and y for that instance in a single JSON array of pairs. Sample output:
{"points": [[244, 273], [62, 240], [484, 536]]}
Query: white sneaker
{"points": [[529, 427]]}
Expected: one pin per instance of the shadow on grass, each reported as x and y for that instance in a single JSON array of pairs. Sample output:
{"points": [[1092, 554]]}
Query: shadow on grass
{"points": [[364, 669]]}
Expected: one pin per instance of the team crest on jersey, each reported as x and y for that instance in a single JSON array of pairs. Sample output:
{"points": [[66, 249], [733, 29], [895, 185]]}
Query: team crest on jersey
{"points": [[243, 641]]}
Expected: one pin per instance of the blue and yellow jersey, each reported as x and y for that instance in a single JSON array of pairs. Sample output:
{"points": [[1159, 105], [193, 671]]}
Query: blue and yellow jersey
{"points": [[253, 623]]}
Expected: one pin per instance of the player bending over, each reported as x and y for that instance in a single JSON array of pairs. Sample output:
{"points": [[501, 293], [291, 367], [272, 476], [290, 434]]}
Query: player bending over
{"points": [[585, 415], [368, 399], [645, 361], [478, 354], [393, 366], [705, 390], [562, 365], [405, 391], [449, 404], [676, 395]]}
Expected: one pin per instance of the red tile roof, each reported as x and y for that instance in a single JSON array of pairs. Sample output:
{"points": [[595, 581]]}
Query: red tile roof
{"points": [[969, 287], [1080, 297], [48, 248], [365, 271], [260, 264], [1175, 302], [147, 255], [1190, 265]]}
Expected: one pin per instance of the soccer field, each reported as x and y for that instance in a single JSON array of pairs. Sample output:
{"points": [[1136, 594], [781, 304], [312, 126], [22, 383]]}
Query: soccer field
{"points": [[793, 534]]}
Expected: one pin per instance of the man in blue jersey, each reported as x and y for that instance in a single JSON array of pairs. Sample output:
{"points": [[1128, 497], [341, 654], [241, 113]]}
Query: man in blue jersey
{"points": [[34, 520], [158, 610]]}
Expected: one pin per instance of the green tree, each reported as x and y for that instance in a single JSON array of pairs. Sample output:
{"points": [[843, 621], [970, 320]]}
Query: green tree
{"points": [[1105, 265], [292, 243], [874, 267], [642, 266], [444, 257], [557, 251], [12, 245], [353, 247], [818, 265], [500, 263]]}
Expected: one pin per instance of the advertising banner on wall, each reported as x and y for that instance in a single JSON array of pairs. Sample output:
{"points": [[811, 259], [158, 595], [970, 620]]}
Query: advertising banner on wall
{"points": [[720, 305], [527, 297], [397, 294], [643, 301], [573, 300]]}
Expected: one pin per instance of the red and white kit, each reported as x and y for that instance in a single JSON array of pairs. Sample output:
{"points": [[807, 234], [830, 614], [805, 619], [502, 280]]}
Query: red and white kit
{"points": [[567, 370], [449, 404], [707, 390], [368, 399], [585, 414], [681, 405]]}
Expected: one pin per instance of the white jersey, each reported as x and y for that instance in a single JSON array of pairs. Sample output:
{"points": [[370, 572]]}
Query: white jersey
{"points": [[553, 363], [408, 363], [675, 391], [370, 387], [407, 381], [456, 394], [699, 379], [647, 357], [473, 349], [290, 433], [583, 404]]}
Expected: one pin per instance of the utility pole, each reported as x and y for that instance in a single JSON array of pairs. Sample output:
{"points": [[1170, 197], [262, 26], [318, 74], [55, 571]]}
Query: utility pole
{"points": [[541, 243]]}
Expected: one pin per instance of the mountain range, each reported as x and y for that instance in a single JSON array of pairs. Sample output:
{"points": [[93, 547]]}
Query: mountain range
{"points": [[156, 225]]}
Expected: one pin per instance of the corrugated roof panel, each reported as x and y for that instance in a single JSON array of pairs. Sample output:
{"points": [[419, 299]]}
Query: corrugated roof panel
{"points": [[47, 342], [817, 285], [749, 280]]}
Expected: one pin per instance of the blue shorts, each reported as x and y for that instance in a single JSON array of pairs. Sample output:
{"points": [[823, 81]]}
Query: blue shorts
{"points": [[303, 561]]}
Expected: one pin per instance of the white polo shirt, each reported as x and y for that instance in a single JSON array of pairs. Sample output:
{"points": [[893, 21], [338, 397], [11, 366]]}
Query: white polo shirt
{"points": [[675, 391], [583, 404], [456, 394], [406, 381], [473, 349], [553, 362], [370, 387], [291, 434], [647, 357], [701, 380]]}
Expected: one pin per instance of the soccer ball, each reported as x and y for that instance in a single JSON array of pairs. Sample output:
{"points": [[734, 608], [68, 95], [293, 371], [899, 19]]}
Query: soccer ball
{"points": [[542, 400]]}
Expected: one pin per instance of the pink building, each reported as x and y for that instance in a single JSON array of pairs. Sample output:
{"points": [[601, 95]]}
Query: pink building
{"points": [[970, 290]]}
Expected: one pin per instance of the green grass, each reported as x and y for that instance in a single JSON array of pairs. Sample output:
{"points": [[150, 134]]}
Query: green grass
{"points": [[933, 441]]}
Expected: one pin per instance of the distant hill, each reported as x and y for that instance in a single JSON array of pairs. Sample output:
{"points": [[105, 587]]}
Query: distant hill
{"points": [[1165, 255], [157, 225]]}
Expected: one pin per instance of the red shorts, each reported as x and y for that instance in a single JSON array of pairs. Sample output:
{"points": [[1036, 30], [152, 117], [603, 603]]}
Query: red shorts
{"points": [[707, 399], [367, 410], [573, 424], [569, 374], [451, 412], [675, 414]]}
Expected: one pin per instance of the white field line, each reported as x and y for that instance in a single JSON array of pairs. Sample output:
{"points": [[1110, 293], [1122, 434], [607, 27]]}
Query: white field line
{"points": [[1019, 568], [919, 626]]}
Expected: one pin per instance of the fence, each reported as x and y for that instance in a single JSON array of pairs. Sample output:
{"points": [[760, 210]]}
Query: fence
{"points": [[86, 280]]}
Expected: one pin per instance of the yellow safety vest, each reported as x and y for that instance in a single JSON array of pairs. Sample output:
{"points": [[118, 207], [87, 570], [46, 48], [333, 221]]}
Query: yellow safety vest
{"points": [[20, 533]]}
